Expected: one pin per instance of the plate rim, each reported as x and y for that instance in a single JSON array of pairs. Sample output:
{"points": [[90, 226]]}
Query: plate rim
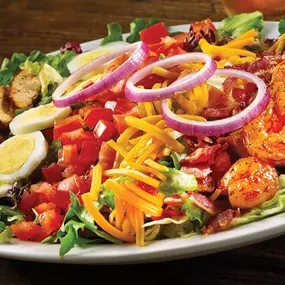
{"points": [[156, 251]]}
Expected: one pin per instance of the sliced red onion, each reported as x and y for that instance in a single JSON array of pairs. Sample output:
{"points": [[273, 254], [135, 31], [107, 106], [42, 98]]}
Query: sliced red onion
{"points": [[188, 81], [219, 127], [139, 50]]}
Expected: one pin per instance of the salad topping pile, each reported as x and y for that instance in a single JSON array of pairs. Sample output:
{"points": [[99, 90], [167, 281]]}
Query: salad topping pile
{"points": [[160, 135]]}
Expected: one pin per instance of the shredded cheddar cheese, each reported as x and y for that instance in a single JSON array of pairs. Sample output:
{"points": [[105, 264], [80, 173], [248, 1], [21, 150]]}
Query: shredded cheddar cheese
{"points": [[154, 131], [156, 165], [96, 182], [148, 169], [165, 73], [143, 194], [102, 222], [134, 174], [133, 199], [139, 221], [120, 212]]}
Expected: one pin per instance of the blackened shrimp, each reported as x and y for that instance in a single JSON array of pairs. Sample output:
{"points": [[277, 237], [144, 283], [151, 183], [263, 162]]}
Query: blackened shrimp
{"points": [[249, 183]]}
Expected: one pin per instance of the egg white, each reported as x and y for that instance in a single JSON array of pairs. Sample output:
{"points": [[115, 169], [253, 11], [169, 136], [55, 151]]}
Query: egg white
{"points": [[39, 118], [86, 57], [38, 154]]}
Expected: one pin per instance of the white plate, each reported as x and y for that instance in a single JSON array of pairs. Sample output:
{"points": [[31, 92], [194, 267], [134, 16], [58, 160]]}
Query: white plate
{"points": [[167, 249]]}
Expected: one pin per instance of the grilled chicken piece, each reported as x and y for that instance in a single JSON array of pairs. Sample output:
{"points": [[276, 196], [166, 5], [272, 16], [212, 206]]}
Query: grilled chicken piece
{"points": [[6, 106], [25, 89]]}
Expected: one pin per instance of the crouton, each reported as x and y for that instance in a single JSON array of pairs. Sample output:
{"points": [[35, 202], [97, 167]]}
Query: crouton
{"points": [[6, 106], [25, 89]]}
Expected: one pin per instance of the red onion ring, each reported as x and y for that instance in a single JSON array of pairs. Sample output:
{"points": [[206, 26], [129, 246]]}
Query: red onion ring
{"points": [[140, 53], [188, 81], [219, 127]]}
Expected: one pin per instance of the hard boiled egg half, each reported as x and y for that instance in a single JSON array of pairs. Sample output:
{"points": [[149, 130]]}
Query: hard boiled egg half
{"points": [[20, 156], [86, 57], [39, 118]]}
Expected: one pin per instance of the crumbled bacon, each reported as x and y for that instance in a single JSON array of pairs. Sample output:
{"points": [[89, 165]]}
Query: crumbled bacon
{"points": [[203, 202], [207, 184], [206, 154], [200, 170], [262, 67], [221, 222]]}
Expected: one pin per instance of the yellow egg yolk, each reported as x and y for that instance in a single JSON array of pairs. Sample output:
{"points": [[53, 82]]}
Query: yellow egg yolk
{"points": [[16, 153]]}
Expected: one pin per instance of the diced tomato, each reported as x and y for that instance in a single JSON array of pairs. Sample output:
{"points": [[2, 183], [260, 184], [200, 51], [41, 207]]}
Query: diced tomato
{"points": [[28, 201], [120, 106], [66, 125], [73, 184], [153, 34], [48, 134], [45, 192], [68, 154], [85, 110], [76, 137], [52, 173], [28, 231], [106, 156], [104, 130], [50, 220], [43, 207], [180, 38], [93, 116], [147, 188], [119, 120], [89, 152], [150, 80], [74, 168], [104, 96]]}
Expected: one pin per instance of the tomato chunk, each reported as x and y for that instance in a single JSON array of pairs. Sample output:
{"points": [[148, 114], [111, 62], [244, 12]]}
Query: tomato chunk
{"points": [[28, 201], [28, 231], [66, 125], [68, 154], [76, 137], [104, 130], [153, 34], [74, 168], [94, 115], [45, 192], [84, 111], [106, 156], [43, 207], [73, 184], [52, 173], [119, 120], [89, 152], [50, 220]]}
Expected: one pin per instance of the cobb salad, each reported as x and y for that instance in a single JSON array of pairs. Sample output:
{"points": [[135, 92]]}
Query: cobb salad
{"points": [[153, 136]]}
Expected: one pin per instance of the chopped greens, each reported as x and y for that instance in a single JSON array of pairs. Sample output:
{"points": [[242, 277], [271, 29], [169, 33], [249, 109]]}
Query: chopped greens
{"points": [[194, 213], [177, 182], [237, 25], [77, 219]]}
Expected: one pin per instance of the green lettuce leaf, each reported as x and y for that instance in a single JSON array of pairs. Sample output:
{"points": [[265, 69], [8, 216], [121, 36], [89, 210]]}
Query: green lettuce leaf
{"points": [[59, 62], [177, 182], [136, 26], [11, 67], [77, 219], [281, 26], [114, 33], [183, 230], [237, 25], [194, 213]]}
